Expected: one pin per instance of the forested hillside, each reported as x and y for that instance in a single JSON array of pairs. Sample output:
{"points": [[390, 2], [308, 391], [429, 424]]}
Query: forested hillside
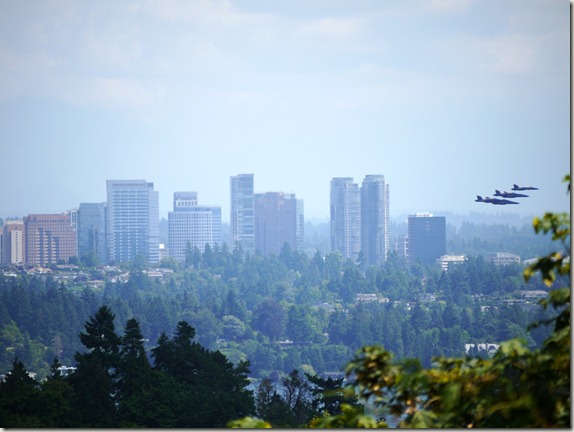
{"points": [[280, 313]]}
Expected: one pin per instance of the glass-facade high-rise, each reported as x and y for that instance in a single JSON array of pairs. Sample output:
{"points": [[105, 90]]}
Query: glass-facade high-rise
{"points": [[192, 225], [345, 214], [242, 212], [426, 238], [133, 221], [91, 231], [374, 219]]}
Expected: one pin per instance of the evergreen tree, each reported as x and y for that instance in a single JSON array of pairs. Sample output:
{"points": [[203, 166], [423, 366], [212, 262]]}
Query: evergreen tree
{"points": [[56, 400], [19, 397], [94, 381], [134, 372]]}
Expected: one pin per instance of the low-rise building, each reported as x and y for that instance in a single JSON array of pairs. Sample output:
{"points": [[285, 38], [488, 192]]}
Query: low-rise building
{"points": [[369, 298], [446, 261], [503, 258]]}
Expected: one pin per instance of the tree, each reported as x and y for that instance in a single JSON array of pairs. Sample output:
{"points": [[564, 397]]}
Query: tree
{"points": [[300, 324], [133, 372], [269, 318], [327, 394], [271, 406], [233, 327], [18, 398], [94, 381], [211, 390]]}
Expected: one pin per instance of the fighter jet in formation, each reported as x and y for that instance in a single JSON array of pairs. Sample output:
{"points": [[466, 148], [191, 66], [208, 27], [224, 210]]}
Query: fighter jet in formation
{"points": [[523, 188], [495, 201], [504, 195], [509, 194]]}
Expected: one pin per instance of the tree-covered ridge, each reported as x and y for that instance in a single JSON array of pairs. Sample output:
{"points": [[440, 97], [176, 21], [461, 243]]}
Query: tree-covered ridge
{"points": [[245, 306], [280, 313]]}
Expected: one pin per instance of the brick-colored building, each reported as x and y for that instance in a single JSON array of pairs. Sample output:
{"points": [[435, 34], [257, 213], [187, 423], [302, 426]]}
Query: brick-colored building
{"points": [[49, 238]]}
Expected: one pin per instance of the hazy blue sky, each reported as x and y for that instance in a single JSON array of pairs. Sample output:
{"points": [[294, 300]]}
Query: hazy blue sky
{"points": [[446, 98]]}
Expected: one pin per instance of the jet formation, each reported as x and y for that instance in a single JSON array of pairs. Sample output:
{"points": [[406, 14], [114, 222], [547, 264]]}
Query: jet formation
{"points": [[504, 195]]}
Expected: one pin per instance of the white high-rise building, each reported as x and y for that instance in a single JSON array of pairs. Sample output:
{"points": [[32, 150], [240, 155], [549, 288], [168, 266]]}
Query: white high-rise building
{"points": [[133, 221], [374, 220], [243, 212], [345, 213], [192, 225], [13, 243]]}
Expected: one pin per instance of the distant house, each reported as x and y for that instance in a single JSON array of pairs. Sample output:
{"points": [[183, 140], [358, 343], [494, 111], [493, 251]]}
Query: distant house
{"points": [[369, 298], [503, 258], [533, 294], [333, 375], [427, 297], [446, 261], [324, 306], [489, 348], [66, 370]]}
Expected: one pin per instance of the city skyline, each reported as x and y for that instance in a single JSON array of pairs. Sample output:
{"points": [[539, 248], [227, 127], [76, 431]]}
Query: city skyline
{"points": [[450, 99]]}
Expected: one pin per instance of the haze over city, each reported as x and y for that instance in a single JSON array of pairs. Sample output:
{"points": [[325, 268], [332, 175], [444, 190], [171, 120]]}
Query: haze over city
{"points": [[446, 99]]}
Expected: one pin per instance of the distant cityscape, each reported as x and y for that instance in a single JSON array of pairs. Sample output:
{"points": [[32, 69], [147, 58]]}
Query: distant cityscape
{"points": [[126, 226]]}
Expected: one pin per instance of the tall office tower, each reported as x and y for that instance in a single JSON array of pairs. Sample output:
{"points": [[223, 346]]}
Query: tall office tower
{"points": [[426, 238], [242, 212], [13, 244], [345, 212], [276, 222], [133, 221], [374, 219], [49, 238], [192, 224], [91, 231]]}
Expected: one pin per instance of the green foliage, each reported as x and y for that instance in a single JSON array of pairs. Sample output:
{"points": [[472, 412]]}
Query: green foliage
{"points": [[249, 423], [556, 262]]}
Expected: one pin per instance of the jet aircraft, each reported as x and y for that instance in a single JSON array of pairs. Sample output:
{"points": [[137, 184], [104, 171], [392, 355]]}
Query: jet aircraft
{"points": [[519, 188], [495, 201], [509, 194]]}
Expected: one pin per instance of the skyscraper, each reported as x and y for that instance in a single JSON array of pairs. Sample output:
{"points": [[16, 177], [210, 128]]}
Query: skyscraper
{"points": [[242, 212], [192, 224], [133, 220], [345, 213], [49, 238], [426, 238], [374, 219], [277, 222], [91, 230]]}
